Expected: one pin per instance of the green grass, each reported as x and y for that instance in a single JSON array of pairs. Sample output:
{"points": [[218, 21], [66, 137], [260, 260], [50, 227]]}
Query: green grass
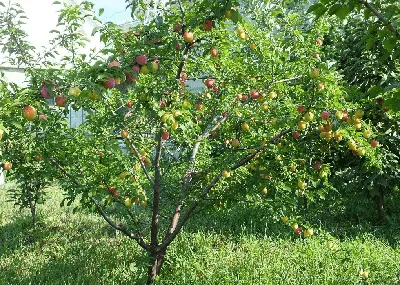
{"points": [[239, 246]]}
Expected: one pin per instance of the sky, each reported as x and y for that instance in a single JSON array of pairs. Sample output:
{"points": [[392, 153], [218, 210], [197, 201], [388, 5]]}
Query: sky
{"points": [[114, 10]]}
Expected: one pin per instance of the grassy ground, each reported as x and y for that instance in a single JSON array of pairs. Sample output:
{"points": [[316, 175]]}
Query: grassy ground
{"points": [[241, 246]]}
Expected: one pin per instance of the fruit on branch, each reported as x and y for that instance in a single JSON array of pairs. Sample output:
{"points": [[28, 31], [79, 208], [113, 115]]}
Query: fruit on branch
{"points": [[314, 73], [124, 134], [144, 70], [367, 134], [325, 115], [129, 104], [254, 94], [316, 55], [295, 226], [154, 65], [128, 202], [339, 115], [318, 166], [225, 174], [177, 28], [235, 142], [374, 143], [321, 86], [7, 165], [143, 203], [338, 136], [309, 116], [38, 158], [298, 231], [110, 83], [272, 95], [114, 63], [117, 81], [302, 125], [178, 46], [61, 101], [74, 91], [323, 174], [359, 114], [188, 37], [136, 68], [208, 25], [352, 145], [141, 59], [214, 133], [265, 107], [361, 152], [214, 52], [301, 109], [265, 191], [113, 191], [209, 83], [285, 219], [245, 127], [1, 134], [308, 232], [295, 135], [165, 135], [44, 92], [30, 113], [199, 107], [319, 42], [301, 184], [293, 167], [228, 14], [253, 46]]}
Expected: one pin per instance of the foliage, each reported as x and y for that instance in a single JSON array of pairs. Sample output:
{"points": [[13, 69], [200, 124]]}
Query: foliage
{"points": [[271, 124]]}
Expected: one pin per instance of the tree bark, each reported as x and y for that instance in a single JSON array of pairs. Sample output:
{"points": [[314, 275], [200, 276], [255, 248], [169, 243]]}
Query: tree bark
{"points": [[155, 264], [380, 206]]}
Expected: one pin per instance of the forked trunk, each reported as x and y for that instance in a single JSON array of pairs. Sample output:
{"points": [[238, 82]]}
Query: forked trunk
{"points": [[156, 261]]}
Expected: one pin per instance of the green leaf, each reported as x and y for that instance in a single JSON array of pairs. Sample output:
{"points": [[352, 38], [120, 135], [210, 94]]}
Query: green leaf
{"points": [[389, 44], [101, 11], [56, 2], [394, 102], [320, 11], [314, 7], [375, 90], [343, 12], [334, 9]]}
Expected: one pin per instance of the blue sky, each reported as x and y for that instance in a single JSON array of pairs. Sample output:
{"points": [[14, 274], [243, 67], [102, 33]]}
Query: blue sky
{"points": [[114, 11]]}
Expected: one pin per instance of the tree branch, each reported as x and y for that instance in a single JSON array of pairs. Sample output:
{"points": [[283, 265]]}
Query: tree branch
{"points": [[156, 197], [381, 18], [116, 226], [140, 161]]}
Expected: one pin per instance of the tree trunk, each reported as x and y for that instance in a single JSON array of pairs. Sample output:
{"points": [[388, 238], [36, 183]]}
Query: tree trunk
{"points": [[379, 204], [156, 261], [32, 206]]}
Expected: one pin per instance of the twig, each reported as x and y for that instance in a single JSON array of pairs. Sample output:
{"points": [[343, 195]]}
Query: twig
{"points": [[381, 18], [140, 161]]}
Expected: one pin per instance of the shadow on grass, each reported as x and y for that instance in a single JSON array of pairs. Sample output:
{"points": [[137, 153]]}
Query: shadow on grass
{"points": [[57, 256], [345, 221]]}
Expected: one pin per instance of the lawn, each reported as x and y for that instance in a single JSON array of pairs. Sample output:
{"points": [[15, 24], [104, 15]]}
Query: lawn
{"points": [[238, 246]]}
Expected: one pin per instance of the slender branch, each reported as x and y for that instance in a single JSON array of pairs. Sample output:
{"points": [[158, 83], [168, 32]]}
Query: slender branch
{"points": [[156, 198], [169, 238], [140, 161], [381, 18], [187, 177], [116, 226]]}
